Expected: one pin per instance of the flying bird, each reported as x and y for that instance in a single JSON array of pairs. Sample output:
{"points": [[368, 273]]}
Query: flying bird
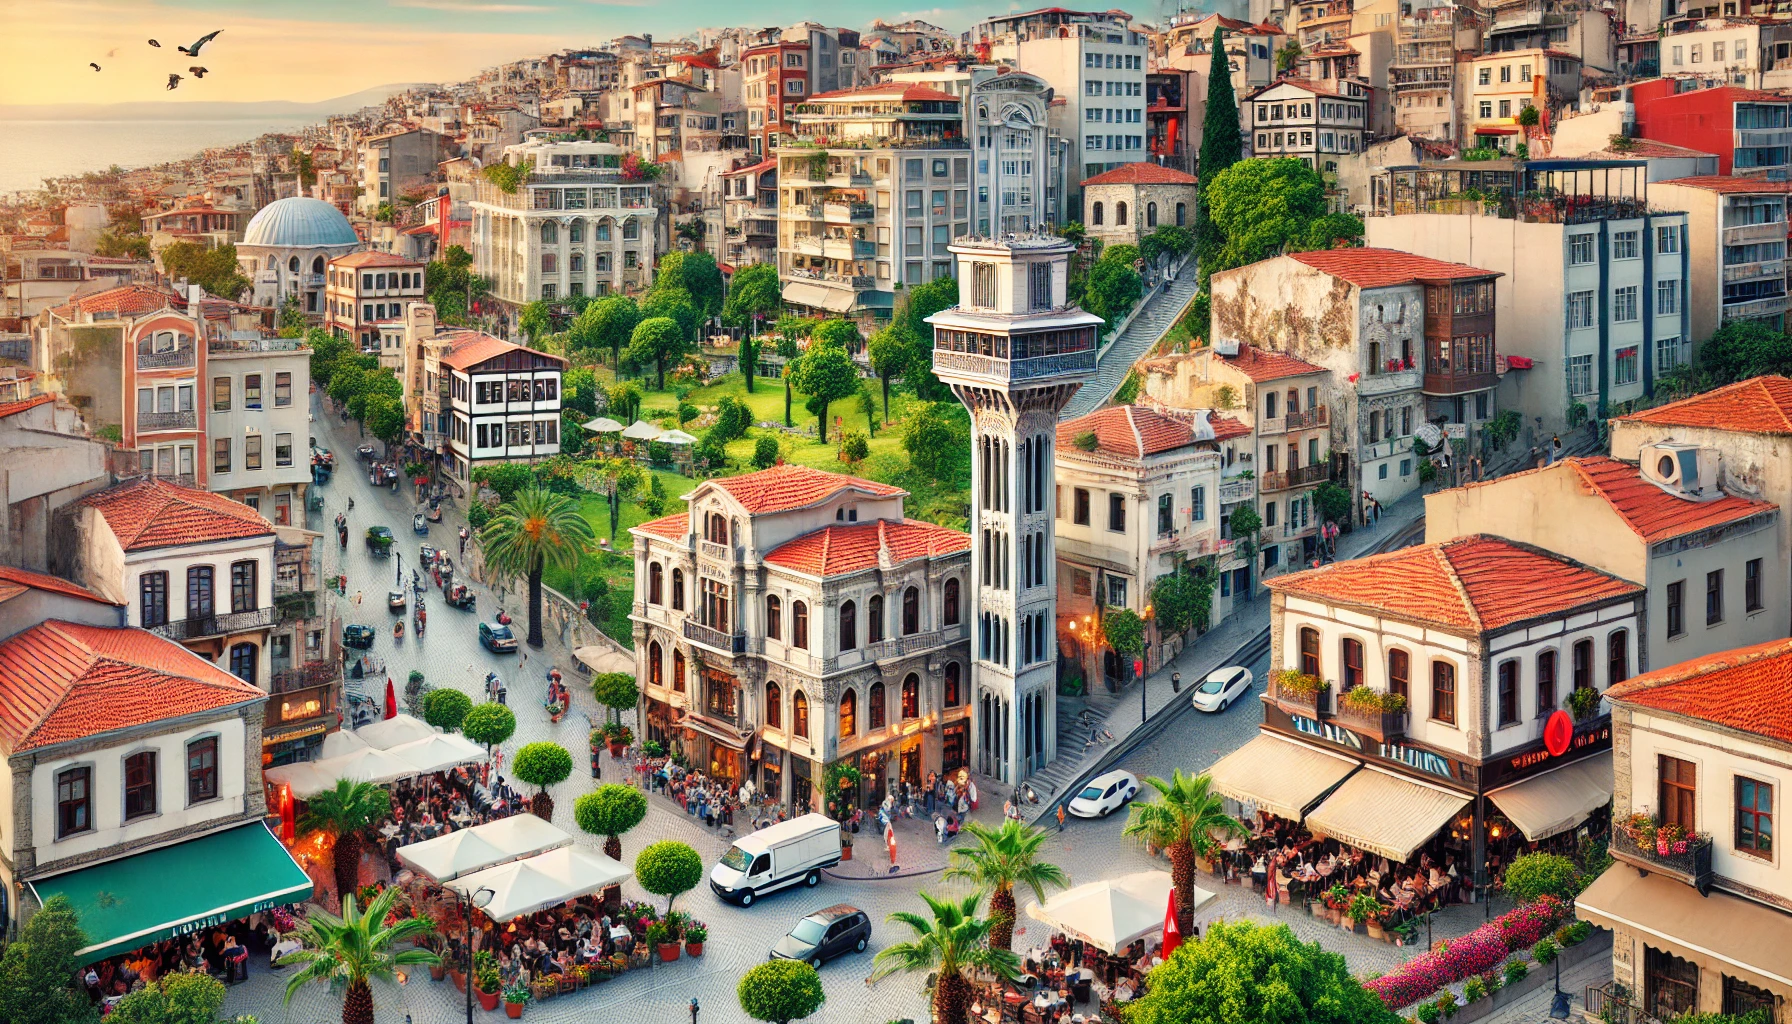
{"points": [[197, 72], [155, 44], [173, 80], [92, 65], [193, 51]]}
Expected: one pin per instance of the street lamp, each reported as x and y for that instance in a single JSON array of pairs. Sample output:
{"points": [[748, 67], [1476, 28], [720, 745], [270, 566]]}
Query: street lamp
{"points": [[480, 898]]}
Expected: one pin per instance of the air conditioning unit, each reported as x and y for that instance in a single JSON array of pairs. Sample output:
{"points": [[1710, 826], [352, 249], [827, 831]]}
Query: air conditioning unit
{"points": [[1684, 470]]}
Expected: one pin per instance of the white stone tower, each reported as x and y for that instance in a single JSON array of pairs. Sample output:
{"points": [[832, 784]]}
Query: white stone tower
{"points": [[1013, 350]]}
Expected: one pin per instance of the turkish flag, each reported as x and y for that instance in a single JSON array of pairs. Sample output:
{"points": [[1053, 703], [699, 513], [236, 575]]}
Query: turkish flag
{"points": [[890, 840], [1172, 931], [286, 814], [391, 699]]}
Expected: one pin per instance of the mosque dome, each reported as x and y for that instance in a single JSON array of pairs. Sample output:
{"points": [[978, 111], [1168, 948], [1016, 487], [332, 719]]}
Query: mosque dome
{"points": [[298, 221]]}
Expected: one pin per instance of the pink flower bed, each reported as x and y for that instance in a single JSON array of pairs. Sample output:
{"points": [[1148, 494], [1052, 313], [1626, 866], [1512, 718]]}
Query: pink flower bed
{"points": [[1475, 953]]}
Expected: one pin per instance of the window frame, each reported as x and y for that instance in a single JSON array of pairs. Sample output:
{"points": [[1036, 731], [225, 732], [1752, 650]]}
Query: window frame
{"points": [[1443, 692], [83, 804], [1752, 812], [143, 789], [206, 775]]}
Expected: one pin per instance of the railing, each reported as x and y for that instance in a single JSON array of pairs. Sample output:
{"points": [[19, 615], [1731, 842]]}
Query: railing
{"points": [[1317, 704], [314, 280], [1611, 1003], [168, 420], [215, 625], [1459, 383], [1015, 369], [1750, 271], [1193, 543], [1281, 480], [850, 212], [1692, 867], [717, 552], [1387, 448], [1757, 307], [1237, 490], [1385, 381], [1382, 725], [225, 345], [902, 646], [1752, 137], [311, 673], [1738, 234], [181, 356], [178, 479], [1315, 417], [715, 639]]}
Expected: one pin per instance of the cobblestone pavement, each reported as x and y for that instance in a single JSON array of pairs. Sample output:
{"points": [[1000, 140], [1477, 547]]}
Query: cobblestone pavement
{"points": [[1534, 1008]]}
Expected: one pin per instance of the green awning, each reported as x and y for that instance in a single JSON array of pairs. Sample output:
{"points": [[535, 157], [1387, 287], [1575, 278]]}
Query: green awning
{"points": [[177, 890]]}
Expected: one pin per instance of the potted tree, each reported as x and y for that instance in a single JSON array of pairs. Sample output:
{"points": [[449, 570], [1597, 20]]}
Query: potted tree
{"points": [[845, 844], [694, 935], [661, 937], [542, 764], [514, 998], [486, 980], [1365, 912]]}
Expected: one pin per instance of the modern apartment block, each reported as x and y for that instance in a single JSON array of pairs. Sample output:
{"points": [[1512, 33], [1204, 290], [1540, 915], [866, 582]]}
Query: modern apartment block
{"points": [[394, 163], [1736, 249], [1424, 69], [750, 214], [1746, 128]]}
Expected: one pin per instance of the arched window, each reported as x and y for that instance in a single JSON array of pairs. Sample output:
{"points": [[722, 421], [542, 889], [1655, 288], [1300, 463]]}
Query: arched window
{"points": [[1353, 664], [656, 664], [911, 697], [849, 626], [774, 706], [1095, 214], [678, 670], [874, 619], [911, 611], [950, 611], [576, 233], [273, 264], [678, 590], [774, 618], [1617, 657], [1181, 215], [849, 714], [1583, 664], [799, 625], [1309, 651], [293, 264], [877, 705], [799, 715], [954, 696], [715, 528], [1151, 215], [317, 265], [656, 580], [1120, 215], [550, 233]]}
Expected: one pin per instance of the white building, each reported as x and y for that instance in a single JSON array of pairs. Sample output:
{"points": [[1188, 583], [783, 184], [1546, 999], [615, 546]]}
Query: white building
{"points": [[504, 402], [258, 423], [46, 459], [1315, 124], [286, 247]]}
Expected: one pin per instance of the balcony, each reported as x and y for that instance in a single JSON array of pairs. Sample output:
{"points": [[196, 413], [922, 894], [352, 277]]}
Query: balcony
{"points": [[1015, 369], [903, 646], [182, 356], [835, 248], [314, 280], [848, 213], [1316, 704], [1236, 490], [1387, 381], [1754, 138], [188, 420], [1459, 383], [1387, 448], [1692, 867], [308, 674], [1383, 726], [224, 346], [718, 552], [809, 211], [1772, 306], [1752, 271], [1191, 542], [715, 639], [1733, 235], [1318, 416], [207, 626], [852, 179], [1289, 478]]}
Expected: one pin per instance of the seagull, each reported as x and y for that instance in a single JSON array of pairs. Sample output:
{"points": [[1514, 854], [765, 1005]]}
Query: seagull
{"points": [[155, 44], [173, 80], [197, 72], [193, 51], [113, 52], [92, 65]]}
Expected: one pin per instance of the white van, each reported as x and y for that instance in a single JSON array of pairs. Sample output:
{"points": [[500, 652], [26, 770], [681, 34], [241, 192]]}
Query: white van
{"points": [[772, 858]]}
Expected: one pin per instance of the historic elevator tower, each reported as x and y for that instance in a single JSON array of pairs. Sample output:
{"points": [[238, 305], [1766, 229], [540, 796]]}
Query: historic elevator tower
{"points": [[1014, 351]]}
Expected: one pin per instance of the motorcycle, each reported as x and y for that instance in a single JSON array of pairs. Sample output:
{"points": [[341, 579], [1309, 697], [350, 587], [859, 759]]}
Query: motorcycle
{"points": [[421, 617]]}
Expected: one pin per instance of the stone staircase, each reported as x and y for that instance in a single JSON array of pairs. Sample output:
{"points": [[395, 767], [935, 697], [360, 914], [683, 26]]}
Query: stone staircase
{"points": [[1159, 314], [1073, 734]]}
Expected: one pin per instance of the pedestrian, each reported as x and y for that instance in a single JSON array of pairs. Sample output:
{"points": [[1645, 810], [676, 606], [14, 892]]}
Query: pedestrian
{"points": [[463, 541], [1555, 449], [357, 599], [1060, 817]]}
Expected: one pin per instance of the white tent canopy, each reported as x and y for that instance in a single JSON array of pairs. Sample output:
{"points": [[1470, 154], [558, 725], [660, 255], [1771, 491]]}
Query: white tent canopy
{"points": [[603, 425], [341, 742], [537, 883], [641, 430], [301, 777], [439, 752], [678, 437], [363, 765], [482, 846], [392, 732], [1112, 914], [598, 658]]}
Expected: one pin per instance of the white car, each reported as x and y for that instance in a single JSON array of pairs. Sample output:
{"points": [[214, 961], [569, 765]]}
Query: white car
{"points": [[1104, 793], [1221, 688]]}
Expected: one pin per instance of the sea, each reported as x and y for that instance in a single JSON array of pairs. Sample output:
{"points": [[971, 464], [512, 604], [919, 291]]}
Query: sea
{"points": [[31, 151]]}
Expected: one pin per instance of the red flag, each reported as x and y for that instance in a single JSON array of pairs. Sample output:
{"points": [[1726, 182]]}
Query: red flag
{"points": [[890, 840], [286, 814], [391, 699], [1172, 931]]}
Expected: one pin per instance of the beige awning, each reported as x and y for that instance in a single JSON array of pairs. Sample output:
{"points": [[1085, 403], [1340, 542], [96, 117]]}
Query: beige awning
{"points": [[1559, 799], [1751, 938], [1378, 811], [816, 296], [1279, 776]]}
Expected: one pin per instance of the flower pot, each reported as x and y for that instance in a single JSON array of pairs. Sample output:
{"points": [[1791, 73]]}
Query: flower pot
{"points": [[437, 972], [615, 748], [487, 1000], [1375, 931], [513, 1010], [693, 948], [457, 979], [1316, 908], [668, 951], [846, 853]]}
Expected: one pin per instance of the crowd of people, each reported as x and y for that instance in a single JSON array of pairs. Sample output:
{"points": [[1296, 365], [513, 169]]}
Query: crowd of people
{"points": [[222, 952], [1067, 981], [445, 802], [1290, 865]]}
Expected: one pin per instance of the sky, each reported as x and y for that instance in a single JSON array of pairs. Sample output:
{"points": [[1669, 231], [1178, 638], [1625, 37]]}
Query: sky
{"points": [[311, 50]]}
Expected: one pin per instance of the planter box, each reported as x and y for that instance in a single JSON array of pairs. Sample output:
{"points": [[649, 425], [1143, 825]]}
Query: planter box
{"points": [[1379, 725], [1318, 705], [1692, 867], [1473, 1011]]}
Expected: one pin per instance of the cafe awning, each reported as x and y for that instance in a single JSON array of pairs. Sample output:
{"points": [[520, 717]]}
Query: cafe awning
{"points": [[604, 659], [1559, 799], [480, 847], [1378, 811], [604, 425], [537, 883], [438, 753], [1115, 912], [815, 296], [1278, 775], [1751, 938], [641, 430], [179, 889], [391, 732]]}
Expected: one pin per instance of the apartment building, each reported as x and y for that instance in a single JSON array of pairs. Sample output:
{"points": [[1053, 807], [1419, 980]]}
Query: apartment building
{"points": [[258, 424], [50, 460], [396, 162], [503, 402], [1736, 249], [1746, 128], [1586, 32], [774, 75], [1309, 122], [1701, 746], [577, 226], [364, 290], [750, 214], [1500, 85], [1423, 70], [793, 619]]}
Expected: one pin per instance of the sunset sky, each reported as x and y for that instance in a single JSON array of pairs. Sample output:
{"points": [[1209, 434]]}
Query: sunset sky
{"points": [[309, 50]]}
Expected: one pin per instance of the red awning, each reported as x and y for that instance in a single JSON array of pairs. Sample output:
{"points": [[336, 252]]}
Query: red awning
{"points": [[1518, 362], [1495, 129]]}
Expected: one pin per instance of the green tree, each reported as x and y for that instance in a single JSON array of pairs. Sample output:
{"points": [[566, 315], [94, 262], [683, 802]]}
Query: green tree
{"points": [[618, 480], [536, 320], [749, 360], [579, 390], [446, 708], [754, 293], [616, 691], [1183, 820], [668, 868], [1114, 288], [114, 244], [868, 406], [677, 304], [290, 323], [531, 532], [542, 764], [1124, 631], [508, 479], [625, 401], [951, 945], [790, 352], [1288, 56], [686, 413], [934, 443], [1222, 145], [180, 998], [327, 352], [490, 723], [694, 274], [889, 352], [1332, 501], [1244, 522], [1244, 973], [656, 340], [609, 811], [1265, 207], [1531, 875], [826, 374], [1182, 600], [348, 951], [1742, 349], [37, 973], [842, 334], [924, 300], [733, 417], [384, 417], [780, 991], [855, 448], [765, 452], [1002, 859], [215, 270], [342, 815], [452, 287], [608, 323]]}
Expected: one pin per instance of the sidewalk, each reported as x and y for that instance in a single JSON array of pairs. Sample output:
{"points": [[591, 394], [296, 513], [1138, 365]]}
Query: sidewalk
{"points": [[1534, 1008]]}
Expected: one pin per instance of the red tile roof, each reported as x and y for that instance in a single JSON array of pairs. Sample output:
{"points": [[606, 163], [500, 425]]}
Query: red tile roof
{"points": [[758, 168], [14, 582], [1225, 428], [1477, 583], [374, 258], [1729, 184], [1651, 512], [153, 513], [60, 681], [473, 348], [1128, 430], [1141, 173], [125, 300], [1759, 405], [1742, 689], [787, 488], [892, 90], [1261, 364], [1378, 268], [14, 408], [673, 527], [855, 547]]}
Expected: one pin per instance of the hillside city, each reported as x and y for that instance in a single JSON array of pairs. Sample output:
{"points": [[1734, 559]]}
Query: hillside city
{"points": [[1082, 519]]}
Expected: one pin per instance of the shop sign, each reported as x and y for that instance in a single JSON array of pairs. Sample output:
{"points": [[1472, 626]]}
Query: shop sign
{"points": [[218, 920], [296, 734], [1415, 758], [1539, 757]]}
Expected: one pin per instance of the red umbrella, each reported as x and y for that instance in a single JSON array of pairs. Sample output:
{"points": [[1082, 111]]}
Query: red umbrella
{"points": [[1172, 931], [286, 814], [391, 699]]}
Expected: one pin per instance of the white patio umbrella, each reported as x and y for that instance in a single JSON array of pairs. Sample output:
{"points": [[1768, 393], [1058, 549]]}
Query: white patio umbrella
{"points": [[603, 659], [394, 731], [537, 883], [603, 425], [641, 430], [480, 847], [341, 742], [301, 777], [1113, 913], [677, 437], [438, 752], [365, 765]]}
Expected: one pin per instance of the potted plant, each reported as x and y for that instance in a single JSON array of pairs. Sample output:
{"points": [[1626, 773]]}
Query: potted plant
{"points": [[514, 998], [1337, 902], [845, 845], [694, 935], [432, 941], [617, 736], [661, 937], [1365, 911], [486, 980], [457, 977], [1583, 703]]}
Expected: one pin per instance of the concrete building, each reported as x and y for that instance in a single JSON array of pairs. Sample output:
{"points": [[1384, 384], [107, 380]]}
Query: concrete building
{"points": [[750, 214], [1014, 351], [1309, 122], [792, 620], [1746, 128], [775, 75], [503, 403], [1129, 202], [258, 424], [285, 248], [46, 461], [364, 290], [1736, 251], [1498, 86], [1423, 70], [394, 163]]}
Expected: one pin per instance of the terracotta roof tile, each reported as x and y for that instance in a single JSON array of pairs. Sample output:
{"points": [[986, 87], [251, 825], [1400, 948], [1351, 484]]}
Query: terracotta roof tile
{"points": [[1128, 430], [1651, 512], [374, 258], [789, 487], [1262, 364], [14, 582], [1729, 184], [1643, 148], [153, 513], [674, 527], [1477, 583], [1744, 689], [473, 348], [1378, 268], [1225, 428], [1759, 405], [60, 681], [836, 550], [1141, 173], [14, 408], [126, 300]]}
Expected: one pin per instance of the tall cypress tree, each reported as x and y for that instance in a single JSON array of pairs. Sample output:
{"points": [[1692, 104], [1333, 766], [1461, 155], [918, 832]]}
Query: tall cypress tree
{"points": [[1222, 145]]}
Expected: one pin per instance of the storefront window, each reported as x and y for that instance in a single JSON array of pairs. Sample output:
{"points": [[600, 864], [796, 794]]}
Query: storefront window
{"points": [[911, 697], [1671, 985]]}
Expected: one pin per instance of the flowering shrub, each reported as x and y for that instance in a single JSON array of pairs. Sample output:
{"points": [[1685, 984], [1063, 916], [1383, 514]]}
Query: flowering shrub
{"points": [[1366, 701], [1337, 897], [1476, 953], [1667, 840], [1525, 925], [1290, 683]]}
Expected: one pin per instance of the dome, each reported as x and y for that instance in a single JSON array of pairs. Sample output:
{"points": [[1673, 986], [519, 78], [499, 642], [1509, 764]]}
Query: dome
{"points": [[298, 221]]}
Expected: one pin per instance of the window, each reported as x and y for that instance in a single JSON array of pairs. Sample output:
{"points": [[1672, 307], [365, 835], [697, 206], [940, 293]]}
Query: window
{"points": [[1741, 998], [221, 455], [774, 618], [678, 670], [950, 614], [1670, 984], [152, 599], [1353, 663], [1617, 657], [1546, 683], [1079, 513], [1667, 298], [799, 625], [1198, 505], [1508, 692], [1039, 286], [74, 801], [874, 619], [1580, 375], [202, 769], [1120, 214], [200, 603], [252, 451], [1117, 591], [1624, 304], [1667, 239], [678, 590], [1095, 214], [1443, 692], [911, 697], [953, 692], [140, 785], [1400, 673], [849, 626], [799, 715], [911, 611], [220, 394], [1166, 514], [242, 587], [1754, 817], [1679, 792], [1751, 585], [1676, 609], [282, 449], [1626, 245], [1484, 76], [251, 390], [774, 706], [1583, 664], [282, 390], [1580, 249], [1117, 513], [1714, 597], [1309, 651], [849, 713], [655, 583], [1624, 364]]}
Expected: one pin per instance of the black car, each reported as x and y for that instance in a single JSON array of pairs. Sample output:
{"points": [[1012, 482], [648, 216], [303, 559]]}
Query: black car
{"points": [[824, 935], [357, 636], [497, 638]]}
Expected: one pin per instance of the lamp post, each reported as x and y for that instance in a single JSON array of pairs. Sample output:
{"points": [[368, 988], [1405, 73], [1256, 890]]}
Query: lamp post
{"points": [[1143, 664], [478, 898]]}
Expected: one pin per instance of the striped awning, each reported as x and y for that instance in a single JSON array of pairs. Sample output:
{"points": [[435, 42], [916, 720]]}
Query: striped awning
{"points": [[815, 296], [1380, 812], [1279, 775], [1559, 799]]}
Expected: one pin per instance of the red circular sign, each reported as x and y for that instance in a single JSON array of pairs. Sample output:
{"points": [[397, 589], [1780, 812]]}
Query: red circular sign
{"points": [[1558, 733]]}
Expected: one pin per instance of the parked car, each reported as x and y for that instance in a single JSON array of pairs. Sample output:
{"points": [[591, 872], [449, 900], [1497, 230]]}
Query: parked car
{"points": [[497, 638], [1222, 687], [824, 935], [1105, 793], [357, 636], [773, 858]]}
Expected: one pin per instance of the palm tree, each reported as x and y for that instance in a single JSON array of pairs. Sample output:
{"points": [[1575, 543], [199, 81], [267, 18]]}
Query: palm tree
{"points": [[351, 949], [342, 814], [951, 946], [1183, 820], [1003, 858], [530, 532]]}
